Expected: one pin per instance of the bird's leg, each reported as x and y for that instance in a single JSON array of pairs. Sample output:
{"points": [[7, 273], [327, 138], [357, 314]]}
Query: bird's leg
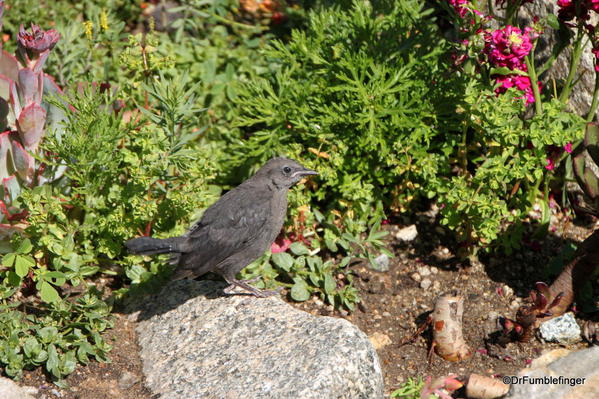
{"points": [[244, 284]]}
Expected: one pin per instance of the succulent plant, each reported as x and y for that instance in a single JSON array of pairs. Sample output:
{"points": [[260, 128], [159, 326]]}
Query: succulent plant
{"points": [[24, 115], [586, 168]]}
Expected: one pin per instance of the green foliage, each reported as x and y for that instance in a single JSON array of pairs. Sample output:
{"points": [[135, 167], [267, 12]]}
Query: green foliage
{"points": [[306, 272], [121, 179], [501, 160], [410, 390], [57, 335], [367, 93], [354, 94]]}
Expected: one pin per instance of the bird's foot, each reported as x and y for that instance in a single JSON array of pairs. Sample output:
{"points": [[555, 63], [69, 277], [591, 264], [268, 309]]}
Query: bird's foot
{"points": [[250, 290]]}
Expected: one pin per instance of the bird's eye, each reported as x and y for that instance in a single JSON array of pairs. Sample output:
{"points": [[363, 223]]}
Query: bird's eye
{"points": [[286, 170]]}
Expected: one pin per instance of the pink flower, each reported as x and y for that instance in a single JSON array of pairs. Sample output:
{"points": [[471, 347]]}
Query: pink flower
{"points": [[568, 148], [507, 47], [592, 5], [281, 244], [595, 52], [550, 165], [519, 82], [459, 7]]}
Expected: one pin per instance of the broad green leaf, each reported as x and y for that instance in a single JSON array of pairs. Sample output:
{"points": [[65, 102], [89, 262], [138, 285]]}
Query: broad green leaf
{"points": [[283, 260], [9, 259], [299, 291], [25, 247], [52, 363], [49, 293], [552, 21], [329, 284], [299, 248], [14, 279], [22, 265], [48, 334], [331, 245]]}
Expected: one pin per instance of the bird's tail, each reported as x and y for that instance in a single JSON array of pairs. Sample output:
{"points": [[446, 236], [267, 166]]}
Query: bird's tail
{"points": [[153, 246]]}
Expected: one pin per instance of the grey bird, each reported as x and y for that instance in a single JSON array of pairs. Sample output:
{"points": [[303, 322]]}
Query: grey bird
{"points": [[234, 231]]}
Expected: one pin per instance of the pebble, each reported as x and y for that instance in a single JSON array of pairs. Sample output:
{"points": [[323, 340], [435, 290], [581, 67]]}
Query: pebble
{"points": [[127, 380], [424, 270], [507, 291], [416, 277], [562, 329], [381, 263], [386, 314], [425, 283], [436, 285], [379, 340], [407, 233]]}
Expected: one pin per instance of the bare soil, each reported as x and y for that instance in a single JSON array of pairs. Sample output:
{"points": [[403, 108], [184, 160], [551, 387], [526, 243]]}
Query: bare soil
{"points": [[394, 303]]}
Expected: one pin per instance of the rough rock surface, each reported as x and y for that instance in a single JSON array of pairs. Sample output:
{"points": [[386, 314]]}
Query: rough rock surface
{"points": [[10, 390], [198, 344], [582, 94], [562, 329], [580, 364]]}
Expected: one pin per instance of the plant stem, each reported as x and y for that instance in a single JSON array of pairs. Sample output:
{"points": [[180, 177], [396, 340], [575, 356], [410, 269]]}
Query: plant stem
{"points": [[595, 102], [511, 11], [463, 150], [532, 75], [574, 61]]}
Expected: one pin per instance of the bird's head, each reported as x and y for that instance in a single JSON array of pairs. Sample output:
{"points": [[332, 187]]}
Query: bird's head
{"points": [[284, 172]]}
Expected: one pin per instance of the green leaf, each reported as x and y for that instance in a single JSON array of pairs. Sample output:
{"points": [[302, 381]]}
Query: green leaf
{"points": [[331, 245], [14, 279], [25, 247], [345, 261], [552, 21], [299, 248], [283, 260], [22, 265], [299, 291], [506, 71], [48, 334], [9, 259], [329, 283], [49, 293], [53, 361]]}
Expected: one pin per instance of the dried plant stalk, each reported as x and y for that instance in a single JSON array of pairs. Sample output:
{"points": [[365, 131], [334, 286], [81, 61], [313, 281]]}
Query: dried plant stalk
{"points": [[448, 339], [481, 387], [546, 302]]}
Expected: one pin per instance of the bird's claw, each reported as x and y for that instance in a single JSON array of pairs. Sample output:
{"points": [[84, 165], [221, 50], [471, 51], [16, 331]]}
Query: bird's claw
{"points": [[230, 290]]}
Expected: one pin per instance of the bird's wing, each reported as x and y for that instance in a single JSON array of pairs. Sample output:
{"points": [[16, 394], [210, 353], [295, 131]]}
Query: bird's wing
{"points": [[229, 225]]}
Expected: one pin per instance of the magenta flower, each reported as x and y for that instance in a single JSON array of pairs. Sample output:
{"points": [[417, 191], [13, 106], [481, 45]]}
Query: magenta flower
{"points": [[595, 52], [32, 45], [459, 7], [550, 164], [519, 82], [592, 5], [568, 148], [507, 47], [280, 245]]}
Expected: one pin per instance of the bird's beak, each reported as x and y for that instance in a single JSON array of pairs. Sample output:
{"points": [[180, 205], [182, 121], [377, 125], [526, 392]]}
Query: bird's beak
{"points": [[304, 172]]}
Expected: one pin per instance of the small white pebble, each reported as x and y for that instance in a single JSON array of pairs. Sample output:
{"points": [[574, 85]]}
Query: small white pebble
{"points": [[425, 283]]}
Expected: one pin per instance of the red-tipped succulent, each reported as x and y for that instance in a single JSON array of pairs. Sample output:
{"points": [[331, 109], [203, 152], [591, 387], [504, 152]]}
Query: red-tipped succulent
{"points": [[33, 47], [24, 116], [542, 304]]}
